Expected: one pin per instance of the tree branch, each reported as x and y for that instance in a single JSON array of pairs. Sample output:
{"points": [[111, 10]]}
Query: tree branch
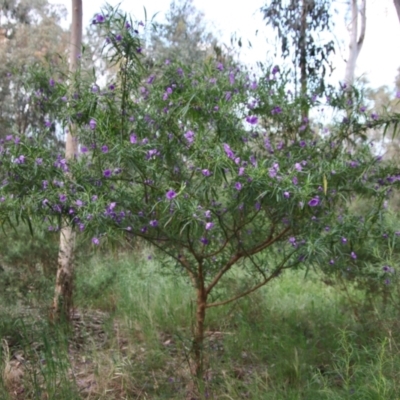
{"points": [[363, 13], [254, 288], [239, 255]]}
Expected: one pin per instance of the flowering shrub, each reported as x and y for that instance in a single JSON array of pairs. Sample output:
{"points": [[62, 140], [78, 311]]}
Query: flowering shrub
{"points": [[211, 166]]}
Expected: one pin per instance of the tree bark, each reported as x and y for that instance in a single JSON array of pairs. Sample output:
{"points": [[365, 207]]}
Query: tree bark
{"points": [[397, 5], [62, 302], [356, 38], [303, 56], [198, 340]]}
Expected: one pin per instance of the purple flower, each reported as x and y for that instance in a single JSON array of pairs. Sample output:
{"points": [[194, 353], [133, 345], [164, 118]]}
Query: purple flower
{"points": [[387, 268], [220, 67], [252, 119], [205, 172], [81, 227], [84, 149], [51, 82], [152, 153], [133, 138], [276, 110], [238, 186], [241, 171], [374, 116], [257, 206], [99, 19], [228, 151], [204, 240], [150, 80], [298, 167], [170, 194], [153, 223], [344, 240], [331, 262], [118, 37], [272, 172], [209, 225], [104, 149], [207, 214], [39, 161], [189, 136], [107, 173], [95, 241], [79, 203], [286, 195], [353, 255], [62, 197], [398, 95], [314, 202], [92, 124], [295, 181]]}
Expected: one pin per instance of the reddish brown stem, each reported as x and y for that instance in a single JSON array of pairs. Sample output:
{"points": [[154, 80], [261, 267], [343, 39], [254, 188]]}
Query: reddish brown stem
{"points": [[239, 255], [198, 339]]}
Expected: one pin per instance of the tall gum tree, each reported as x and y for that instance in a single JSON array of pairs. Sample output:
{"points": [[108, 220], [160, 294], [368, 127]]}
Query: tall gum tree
{"points": [[62, 301], [357, 36], [397, 5], [299, 26]]}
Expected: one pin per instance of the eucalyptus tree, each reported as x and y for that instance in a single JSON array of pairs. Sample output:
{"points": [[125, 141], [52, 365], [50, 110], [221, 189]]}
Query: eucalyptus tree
{"points": [[183, 36], [357, 36], [30, 34], [300, 26], [397, 6], [62, 302]]}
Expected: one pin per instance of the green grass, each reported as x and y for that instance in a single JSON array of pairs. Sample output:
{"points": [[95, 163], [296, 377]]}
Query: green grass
{"points": [[296, 338]]}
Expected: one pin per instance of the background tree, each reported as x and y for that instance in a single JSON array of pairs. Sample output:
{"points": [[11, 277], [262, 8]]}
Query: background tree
{"points": [[357, 37], [397, 6], [183, 36], [63, 290], [300, 26], [30, 34]]}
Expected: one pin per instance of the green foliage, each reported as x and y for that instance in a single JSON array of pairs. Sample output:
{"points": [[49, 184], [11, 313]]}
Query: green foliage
{"points": [[182, 162], [25, 24], [183, 37], [294, 339], [299, 26]]}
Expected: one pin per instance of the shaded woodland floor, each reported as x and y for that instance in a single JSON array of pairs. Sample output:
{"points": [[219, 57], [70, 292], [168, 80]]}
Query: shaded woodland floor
{"points": [[130, 338]]}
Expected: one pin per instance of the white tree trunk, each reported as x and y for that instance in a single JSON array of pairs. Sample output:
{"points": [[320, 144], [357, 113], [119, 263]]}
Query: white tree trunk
{"points": [[62, 301], [356, 38], [397, 5]]}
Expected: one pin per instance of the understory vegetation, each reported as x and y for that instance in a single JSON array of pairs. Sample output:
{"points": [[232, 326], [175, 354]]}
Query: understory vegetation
{"points": [[130, 337]]}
